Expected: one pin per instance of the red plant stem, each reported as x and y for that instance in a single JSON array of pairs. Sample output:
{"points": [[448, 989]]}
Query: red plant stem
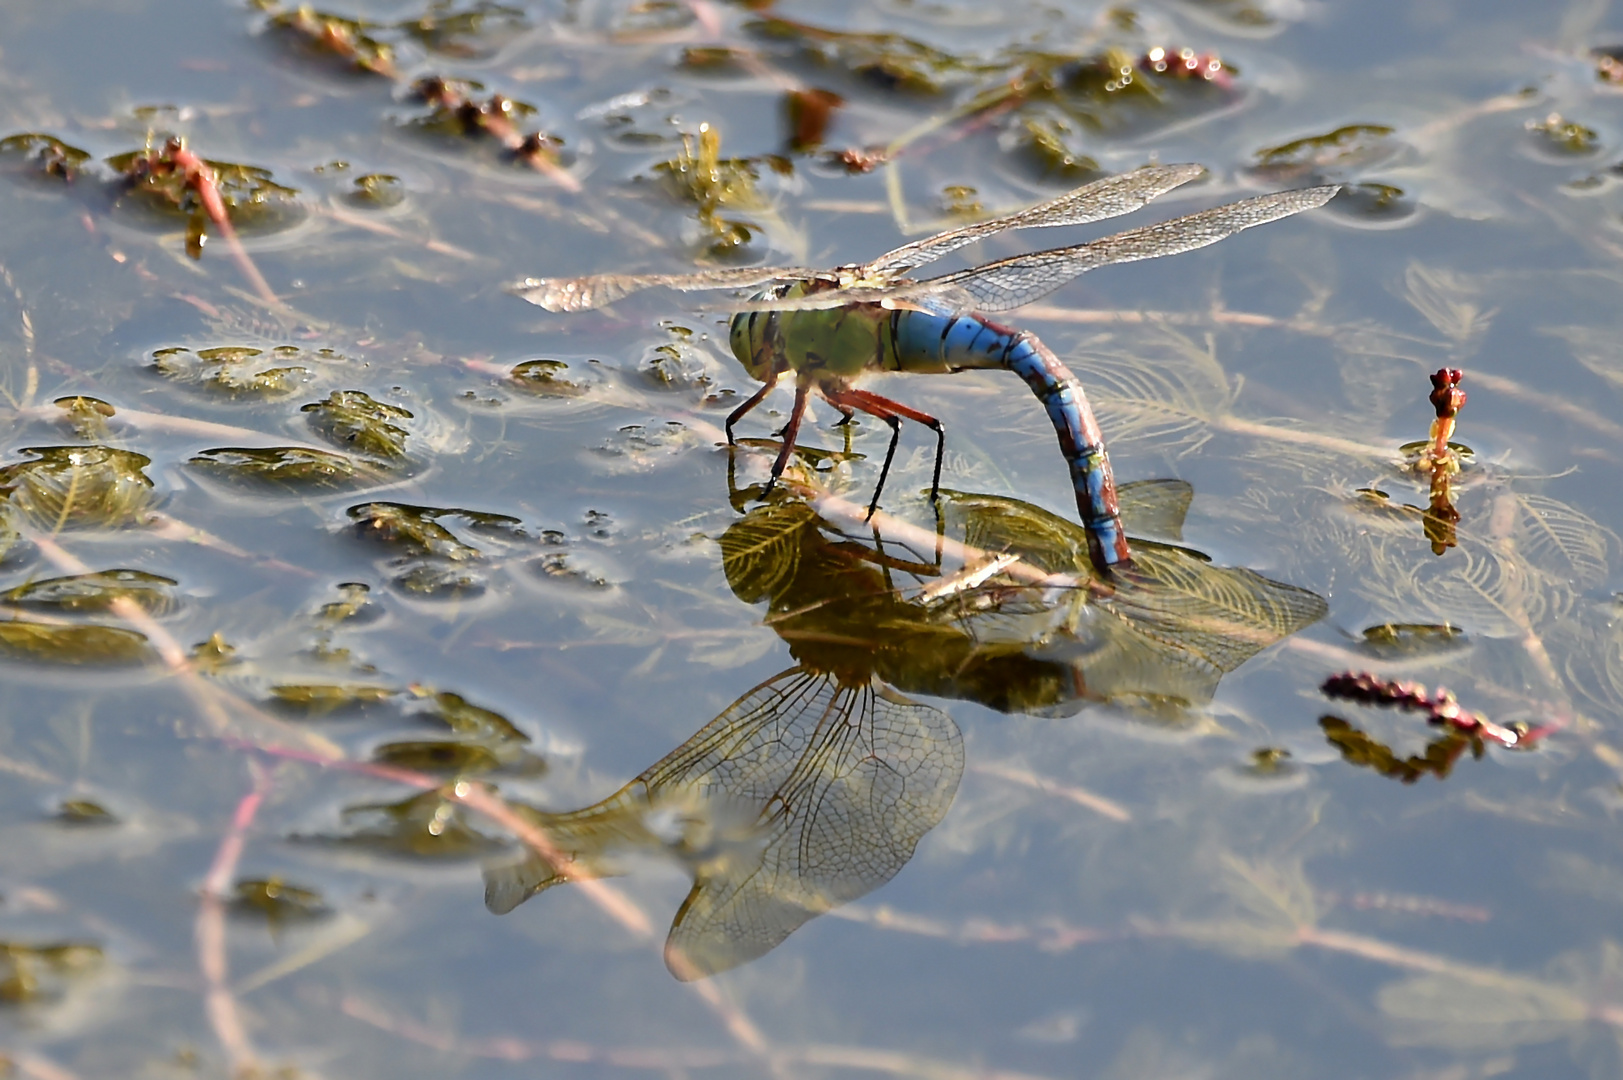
{"points": [[1448, 399], [1441, 708], [209, 931], [201, 178], [482, 800]]}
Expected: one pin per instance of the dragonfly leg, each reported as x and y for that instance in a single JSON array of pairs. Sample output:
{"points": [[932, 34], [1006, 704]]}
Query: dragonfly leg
{"points": [[884, 470], [791, 431], [754, 399], [888, 410]]}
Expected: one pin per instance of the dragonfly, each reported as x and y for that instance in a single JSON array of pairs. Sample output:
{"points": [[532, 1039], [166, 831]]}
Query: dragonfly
{"points": [[830, 327]]}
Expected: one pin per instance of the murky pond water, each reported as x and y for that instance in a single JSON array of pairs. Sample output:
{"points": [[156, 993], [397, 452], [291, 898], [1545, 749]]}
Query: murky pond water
{"points": [[387, 662]]}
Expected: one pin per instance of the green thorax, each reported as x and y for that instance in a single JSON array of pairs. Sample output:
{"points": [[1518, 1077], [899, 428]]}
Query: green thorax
{"points": [[839, 343]]}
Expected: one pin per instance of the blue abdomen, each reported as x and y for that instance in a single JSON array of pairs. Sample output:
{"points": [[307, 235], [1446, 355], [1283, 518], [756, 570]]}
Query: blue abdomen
{"points": [[929, 342]]}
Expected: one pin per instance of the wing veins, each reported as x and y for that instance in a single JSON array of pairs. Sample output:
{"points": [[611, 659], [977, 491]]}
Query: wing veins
{"points": [[1109, 197], [1020, 279]]}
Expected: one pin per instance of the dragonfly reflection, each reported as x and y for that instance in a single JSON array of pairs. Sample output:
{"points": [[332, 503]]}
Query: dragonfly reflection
{"points": [[815, 787], [831, 326]]}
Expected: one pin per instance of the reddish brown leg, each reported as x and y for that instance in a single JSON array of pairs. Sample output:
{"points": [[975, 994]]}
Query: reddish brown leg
{"points": [[791, 431], [889, 411], [754, 399]]}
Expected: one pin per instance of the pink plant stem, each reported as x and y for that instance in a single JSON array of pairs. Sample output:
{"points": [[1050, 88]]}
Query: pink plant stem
{"points": [[613, 902], [209, 931], [211, 700], [1448, 399], [201, 176], [40, 1068]]}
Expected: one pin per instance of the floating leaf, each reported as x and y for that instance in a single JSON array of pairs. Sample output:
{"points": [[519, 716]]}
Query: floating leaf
{"points": [[31, 972], [467, 32], [547, 378], [298, 468], [890, 61], [160, 187], [277, 901], [676, 365], [1413, 639], [426, 826], [78, 812], [74, 644], [323, 699], [378, 191], [1556, 134], [439, 582], [641, 448], [415, 530], [97, 592], [78, 487], [355, 605], [53, 156], [1046, 142], [324, 34], [437, 756], [238, 370], [1236, 16], [352, 419], [88, 415], [434, 562], [1349, 146], [561, 567], [214, 654]]}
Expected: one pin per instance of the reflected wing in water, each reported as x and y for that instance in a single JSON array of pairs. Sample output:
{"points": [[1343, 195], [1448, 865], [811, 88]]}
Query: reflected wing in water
{"points": [[1168, 631], [838, 782], [804, 794]]}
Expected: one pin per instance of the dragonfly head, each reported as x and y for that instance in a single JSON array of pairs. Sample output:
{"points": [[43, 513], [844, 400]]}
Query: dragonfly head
{"points": [[753, 338]]}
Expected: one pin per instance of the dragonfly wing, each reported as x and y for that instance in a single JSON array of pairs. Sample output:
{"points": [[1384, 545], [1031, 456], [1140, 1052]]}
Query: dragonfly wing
{"points": [[1106, 198], [595, 290], [840, 781], [939, 296], [1013, 282]]}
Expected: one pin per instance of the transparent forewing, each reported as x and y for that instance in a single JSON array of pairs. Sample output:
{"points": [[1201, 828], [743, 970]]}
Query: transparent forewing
{"points": [[837, 782], [940, 298], [1013, 282], [1111, 197], [595, 290]]}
